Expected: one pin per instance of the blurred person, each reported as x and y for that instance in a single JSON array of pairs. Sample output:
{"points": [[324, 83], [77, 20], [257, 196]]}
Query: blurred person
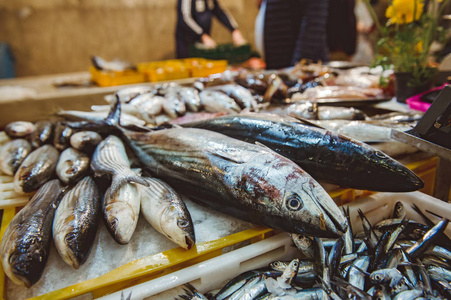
{"points": [[290, 30], [194, 18]]}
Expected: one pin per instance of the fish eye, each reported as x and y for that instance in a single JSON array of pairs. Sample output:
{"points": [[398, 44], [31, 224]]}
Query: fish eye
{"points": [[182, 223], [380, 154], [294, 203]]}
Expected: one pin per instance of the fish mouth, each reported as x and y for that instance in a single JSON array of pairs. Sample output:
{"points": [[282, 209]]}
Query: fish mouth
{"points": [[337, 222], [190, 242]]}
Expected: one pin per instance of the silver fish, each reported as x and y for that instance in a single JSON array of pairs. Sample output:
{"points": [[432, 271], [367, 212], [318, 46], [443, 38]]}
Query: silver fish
{"points": [[242, 179], [167, 213], [61, 137], [173, 105], [127, 94], [113, 65], [75, 223], [25, 246], [312, 111], [43, 133], [72, 165], [36, 169], [75, 115], [121, 211], [12, 154], [85, 141], [241, 95], [191, 98], [215, 101], [110, 158], [19, 129]]}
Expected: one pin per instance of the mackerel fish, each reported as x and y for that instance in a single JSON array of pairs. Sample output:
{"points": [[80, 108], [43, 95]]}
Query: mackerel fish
{"points": [[323, 154], [244, 180]]}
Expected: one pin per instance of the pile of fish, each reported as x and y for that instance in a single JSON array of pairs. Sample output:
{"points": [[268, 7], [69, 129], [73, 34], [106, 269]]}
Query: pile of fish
{"points": [[394, 259], [82, 170]]}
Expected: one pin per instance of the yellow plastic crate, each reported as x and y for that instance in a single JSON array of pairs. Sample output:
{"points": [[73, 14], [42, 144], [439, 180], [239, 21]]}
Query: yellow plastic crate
{"points": [[112, 78], [209, 67]]}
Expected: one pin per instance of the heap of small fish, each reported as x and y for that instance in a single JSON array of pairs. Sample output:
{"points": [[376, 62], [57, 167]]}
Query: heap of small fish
{"points": [[394, 259], [75, 178], [95, 178]]}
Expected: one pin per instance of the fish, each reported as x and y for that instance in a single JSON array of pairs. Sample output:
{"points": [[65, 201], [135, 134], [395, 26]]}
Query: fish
{"points": [[243, 180], [36, 169], [163, 208], [61, 136], [75, 115], [43, 133], [376, 131], [312, 111], [85, 141], [325, 155], [25, 246], [173, 106], [75, 222], [12, 154], [115, 65], [72, 165], [121, 209], [19, 129], [215, 101], [241, 95], [110, 158], [190, 96]]}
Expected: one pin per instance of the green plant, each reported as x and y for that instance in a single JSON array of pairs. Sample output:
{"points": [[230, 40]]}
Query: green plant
{"points": [[406, 38]]}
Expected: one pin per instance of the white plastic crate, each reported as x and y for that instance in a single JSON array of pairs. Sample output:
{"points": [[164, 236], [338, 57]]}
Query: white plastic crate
{"points": [[214, 273]]}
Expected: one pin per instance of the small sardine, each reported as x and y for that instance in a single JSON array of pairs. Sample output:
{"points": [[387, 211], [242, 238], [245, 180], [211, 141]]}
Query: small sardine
{"points": [[19, 129], [190, 97], [288, 274], [121, 211], [399, 211], [241, 95], [167, 213], [304, 244], [215, 101], [72, 165], [173, 106], [12, 154], [110, 158], [75, 223], [85, 141], [36, 169], [25, 246], [43, 133]]}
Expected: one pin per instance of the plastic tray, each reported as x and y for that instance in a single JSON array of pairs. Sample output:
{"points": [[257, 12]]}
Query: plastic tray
{"points": [[111, 78], [214, 273]]}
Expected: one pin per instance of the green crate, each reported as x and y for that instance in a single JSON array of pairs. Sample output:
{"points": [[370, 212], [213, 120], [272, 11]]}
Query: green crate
{"points": [[223, 51]]}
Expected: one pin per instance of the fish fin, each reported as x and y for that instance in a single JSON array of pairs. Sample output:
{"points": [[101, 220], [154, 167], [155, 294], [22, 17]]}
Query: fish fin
{"points": [[120, 180], [224, 155], [114, 115]]}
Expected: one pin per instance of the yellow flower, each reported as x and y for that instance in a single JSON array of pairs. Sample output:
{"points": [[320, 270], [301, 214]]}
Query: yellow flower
{"points": [[419, 46], [401, 11]]}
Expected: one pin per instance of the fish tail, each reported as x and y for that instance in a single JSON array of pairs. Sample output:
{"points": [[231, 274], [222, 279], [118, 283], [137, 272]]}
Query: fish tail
{"points": [[121, 179]]}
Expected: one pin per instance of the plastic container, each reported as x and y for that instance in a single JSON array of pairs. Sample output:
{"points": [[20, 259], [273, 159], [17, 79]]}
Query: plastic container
{"points": [[214, 273], [112, 78]]}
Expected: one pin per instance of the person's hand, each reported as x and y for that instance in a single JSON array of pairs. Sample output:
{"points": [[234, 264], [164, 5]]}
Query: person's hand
{"points": [[238, 39], [208, 41]]}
